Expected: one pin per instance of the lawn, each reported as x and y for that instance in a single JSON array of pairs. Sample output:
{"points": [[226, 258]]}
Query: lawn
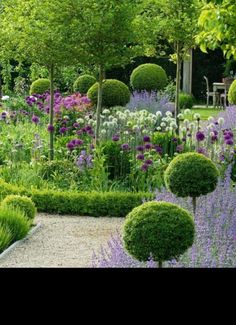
{"points": [[204, 112]]}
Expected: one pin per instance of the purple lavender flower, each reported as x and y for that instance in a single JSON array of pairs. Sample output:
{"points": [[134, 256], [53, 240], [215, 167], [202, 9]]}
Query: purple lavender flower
{"points": [[50, 128], [200, 136], [146, 138]]}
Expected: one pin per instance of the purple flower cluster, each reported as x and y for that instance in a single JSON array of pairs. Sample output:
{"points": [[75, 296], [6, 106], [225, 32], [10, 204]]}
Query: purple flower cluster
{"points": [[73, 144], [228, 137], [84, 160], [215, 240]]}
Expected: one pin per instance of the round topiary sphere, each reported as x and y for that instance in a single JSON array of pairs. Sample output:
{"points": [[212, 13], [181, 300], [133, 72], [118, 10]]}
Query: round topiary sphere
{"points": [[185, 101], [24, 203], [148, 77], [232, 93], [191, 174], [83, 83], [115, 93], [158, 229], [40, 86]]}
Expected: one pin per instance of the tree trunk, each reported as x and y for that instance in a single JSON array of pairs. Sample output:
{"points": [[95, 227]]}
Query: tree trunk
{"points": [[194, 200], [51, 112], [99, 103], [160, 264], [178, 73]]}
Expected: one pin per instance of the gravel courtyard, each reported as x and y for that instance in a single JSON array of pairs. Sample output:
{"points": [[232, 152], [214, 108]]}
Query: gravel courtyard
{"points": [[62, 241]]}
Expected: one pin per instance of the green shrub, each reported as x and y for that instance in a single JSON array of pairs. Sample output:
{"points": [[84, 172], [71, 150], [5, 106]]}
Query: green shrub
{"points": [[23, 203], [232, 93], [115, 93], [191, 174], [40, 86], [148, 77], [116, 161], [83, 83], [94, 204], [16, 221], [166, 141], [185, 101], [158, 229], [49, 169], [5, 238], [6, 189]]}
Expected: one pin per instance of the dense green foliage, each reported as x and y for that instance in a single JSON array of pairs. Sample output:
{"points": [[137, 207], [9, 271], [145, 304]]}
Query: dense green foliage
{"points": [[95, 204], [148, 77], [232, 93], [191, 174], [166, 142], [158, 229], [5, 238], [83, 83], [185, 101], [16, 221], [115, 93], [40, 86], [22, 203]]}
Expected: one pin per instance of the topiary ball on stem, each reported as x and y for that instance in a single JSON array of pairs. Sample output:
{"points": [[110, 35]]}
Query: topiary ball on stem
{"points": [[83, 83], [232, 93], [191, 174], [161, 230], [114, 93], [148, 77]]}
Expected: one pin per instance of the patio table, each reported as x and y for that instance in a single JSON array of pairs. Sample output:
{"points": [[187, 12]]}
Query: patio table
{"points": [[216, 86]]}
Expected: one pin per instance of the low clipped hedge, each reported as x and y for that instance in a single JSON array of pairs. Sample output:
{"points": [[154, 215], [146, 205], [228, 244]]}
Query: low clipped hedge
{"points": [[94, 204]]}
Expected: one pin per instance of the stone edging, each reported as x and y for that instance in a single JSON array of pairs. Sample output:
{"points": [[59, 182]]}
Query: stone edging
{"points": [[11, 247]]}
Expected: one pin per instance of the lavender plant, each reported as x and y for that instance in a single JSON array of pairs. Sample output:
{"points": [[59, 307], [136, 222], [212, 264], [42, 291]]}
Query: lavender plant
{"points": [[215, 240]]}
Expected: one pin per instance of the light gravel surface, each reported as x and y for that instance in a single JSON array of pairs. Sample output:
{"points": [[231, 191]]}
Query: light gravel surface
{"points": [[62, 241]]}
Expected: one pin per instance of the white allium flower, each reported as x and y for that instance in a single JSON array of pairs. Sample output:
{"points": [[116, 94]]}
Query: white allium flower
{"points": [[165, 119], [186, 121], [158, 128], [163, 125], [221, 121], [187, 111], [106, 111], [168, 113], [145, 131], [173, 125], [103, 131], [196, 116], [80, 120], [5, 97], [126, 132], [210, 119], [180, 116], [184, 129], [110, 117], [159, 114]]}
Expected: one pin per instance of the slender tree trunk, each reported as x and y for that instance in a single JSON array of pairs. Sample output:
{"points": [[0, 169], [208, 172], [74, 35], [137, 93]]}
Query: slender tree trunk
{"points": [[51, 112], [99, 103], [178, 73], [160, 264], [194, 200]]}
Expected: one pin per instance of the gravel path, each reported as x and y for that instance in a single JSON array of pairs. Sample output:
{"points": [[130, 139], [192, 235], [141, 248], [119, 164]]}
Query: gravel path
{"points": [[62, 241]]}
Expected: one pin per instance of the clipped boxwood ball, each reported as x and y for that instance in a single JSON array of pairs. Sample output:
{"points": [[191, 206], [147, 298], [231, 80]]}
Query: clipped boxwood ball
{"points": [[232, 93], [40, 86], [24, 203], [185, 101], [83, 83], [115, 93], [191, 174], [160, 229], [148, 77]]}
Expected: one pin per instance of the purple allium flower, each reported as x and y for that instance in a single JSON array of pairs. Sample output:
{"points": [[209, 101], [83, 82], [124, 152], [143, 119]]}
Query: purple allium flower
{"points": [[88, 128], [79, 132], [116, 137], [144, 167], [63, 130], [50, 128], [35, 119], [125, 146], [229, 142], [140, 148], [90, 132], [184, 139], [214, 138], [148, 162], [146, 138], [140, 156], [201, 150], [78, 142], [227, 136], [200, 136], [175, 140], [70, 146], [76, 125], [180, 148], [148, 146], [158, 149]]}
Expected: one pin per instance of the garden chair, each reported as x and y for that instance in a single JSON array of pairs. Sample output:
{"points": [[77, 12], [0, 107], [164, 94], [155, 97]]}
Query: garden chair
{"points": [[211, 93], [224, 96]]}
